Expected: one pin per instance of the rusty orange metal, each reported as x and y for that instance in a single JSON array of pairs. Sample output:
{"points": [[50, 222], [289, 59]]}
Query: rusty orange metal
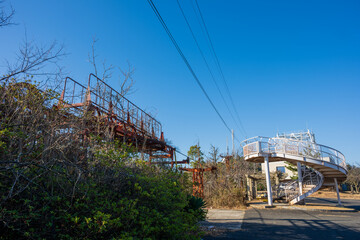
{"points": [[126, 120], [198, 179]]}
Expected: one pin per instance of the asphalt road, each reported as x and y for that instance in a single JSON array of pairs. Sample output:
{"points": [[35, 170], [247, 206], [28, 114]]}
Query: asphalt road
{"points": [[351, 203], [296, 224]]}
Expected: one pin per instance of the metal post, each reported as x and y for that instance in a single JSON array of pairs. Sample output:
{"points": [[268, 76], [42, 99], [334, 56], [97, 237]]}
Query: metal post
{"points": [[268, 182], [337, 192], [300, 178]]}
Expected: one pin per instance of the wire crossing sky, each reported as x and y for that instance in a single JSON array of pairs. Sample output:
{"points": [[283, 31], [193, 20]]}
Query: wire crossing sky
{"points": [[207, 65], [188, 64], [288, 65], [219, 66]]}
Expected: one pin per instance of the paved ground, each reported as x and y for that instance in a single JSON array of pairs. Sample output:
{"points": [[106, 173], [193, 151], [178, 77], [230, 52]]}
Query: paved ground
{"points": [[294, 224], [316, 204], [349, 203], [224, 219]]}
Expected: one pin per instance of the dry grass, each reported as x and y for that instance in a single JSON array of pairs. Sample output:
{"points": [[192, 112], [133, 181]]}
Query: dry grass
{"points": [[332, 194]]}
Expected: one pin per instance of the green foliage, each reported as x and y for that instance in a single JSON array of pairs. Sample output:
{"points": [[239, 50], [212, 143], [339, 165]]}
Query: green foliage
{"points": [[293, 169], [196, 156], [197, 205], [56, 185], [150, 203]]}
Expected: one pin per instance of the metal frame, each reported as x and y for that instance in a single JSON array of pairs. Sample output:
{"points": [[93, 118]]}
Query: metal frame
{"points": [[293, 147], [126, 120], [325, 161]]}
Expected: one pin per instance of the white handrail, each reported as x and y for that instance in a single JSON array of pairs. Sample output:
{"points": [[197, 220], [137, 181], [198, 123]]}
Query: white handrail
{"points": [[293, 147]]}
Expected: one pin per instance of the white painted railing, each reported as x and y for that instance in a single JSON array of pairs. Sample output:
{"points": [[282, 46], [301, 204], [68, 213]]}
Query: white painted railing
{"points": [[293, 147]]}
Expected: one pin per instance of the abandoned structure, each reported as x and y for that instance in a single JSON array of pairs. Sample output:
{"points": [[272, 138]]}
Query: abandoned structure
{"points": [[121, 118]]}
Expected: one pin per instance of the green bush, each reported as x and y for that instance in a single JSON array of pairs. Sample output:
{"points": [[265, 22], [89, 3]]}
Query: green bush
{"points": [[148, 206], [56, 185], [197, 206]]}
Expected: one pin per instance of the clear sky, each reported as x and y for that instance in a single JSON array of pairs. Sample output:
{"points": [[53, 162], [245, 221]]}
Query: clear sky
{"points": [[290, 65]]}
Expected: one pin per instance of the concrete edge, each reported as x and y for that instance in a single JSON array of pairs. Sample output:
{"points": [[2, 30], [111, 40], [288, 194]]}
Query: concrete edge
{"points": [[319, 209], [307, 209]]}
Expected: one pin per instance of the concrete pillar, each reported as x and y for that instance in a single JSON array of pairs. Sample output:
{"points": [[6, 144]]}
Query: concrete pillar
{"points": [[248, 187], [251, 188], [277, 178], [337, 192], [300, 179], [255, 189], [268, 182]]}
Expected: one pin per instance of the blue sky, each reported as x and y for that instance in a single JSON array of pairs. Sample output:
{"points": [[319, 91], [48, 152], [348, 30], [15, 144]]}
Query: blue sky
{"points": [[290, 65]]}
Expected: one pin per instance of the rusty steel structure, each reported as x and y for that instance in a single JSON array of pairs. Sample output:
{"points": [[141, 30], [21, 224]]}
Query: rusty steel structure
{"points": [[227, 159], [198, 181], [125, 120], [186, 161]]}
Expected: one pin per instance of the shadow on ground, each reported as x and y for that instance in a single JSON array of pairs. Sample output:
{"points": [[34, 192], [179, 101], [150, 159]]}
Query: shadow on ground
{"points": [[295, 224], [349, 203]]}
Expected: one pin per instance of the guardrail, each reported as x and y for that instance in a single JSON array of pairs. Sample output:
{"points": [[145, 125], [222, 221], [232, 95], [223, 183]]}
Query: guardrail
{"points": [[123, 107], [111, 102], [293, 147]]}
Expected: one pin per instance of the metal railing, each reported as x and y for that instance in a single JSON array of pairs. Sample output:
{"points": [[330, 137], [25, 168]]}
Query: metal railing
{"points": [[104, 95], [311, 182], [111, 102], [293, 147]]}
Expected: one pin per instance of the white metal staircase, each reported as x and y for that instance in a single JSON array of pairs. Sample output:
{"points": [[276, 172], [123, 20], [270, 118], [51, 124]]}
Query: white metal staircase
{"points": [[319, 163], [312, 181]]}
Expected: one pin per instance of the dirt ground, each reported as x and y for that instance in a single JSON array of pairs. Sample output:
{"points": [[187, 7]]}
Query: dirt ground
{"points": [[332, 194]]}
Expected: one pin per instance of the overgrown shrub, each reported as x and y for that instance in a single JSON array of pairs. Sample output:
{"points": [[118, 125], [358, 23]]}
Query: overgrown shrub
{"points": [[227, 186], [55, 184], [197, 205]]}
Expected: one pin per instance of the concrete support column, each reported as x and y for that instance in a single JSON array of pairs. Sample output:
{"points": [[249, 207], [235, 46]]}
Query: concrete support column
{"points": [[248, 187], [300, 178], [255, 189], [337, 192], [268, 182]]}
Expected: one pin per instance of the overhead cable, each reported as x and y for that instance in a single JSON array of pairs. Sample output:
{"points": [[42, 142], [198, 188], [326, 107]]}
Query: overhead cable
{"points": [[180, 153], [207, 65], [186, 62], [219, 66]]}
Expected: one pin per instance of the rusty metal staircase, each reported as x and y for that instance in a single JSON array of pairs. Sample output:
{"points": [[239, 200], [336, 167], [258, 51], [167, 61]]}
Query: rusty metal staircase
{"points": [[125, 120]]}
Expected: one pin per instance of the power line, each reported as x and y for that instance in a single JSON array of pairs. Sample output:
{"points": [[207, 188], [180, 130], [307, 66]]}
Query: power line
{"points": [[206, 63], [181, 153], [219, 66], [186, 61]]}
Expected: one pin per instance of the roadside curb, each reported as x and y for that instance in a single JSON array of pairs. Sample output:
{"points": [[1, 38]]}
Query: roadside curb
{"points": [[319, 209], [307, 209]]}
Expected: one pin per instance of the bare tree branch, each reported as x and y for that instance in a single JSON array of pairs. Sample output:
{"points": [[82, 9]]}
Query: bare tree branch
{"points": [[128, 82], [92, 56], [6, 17], [33, 60]]}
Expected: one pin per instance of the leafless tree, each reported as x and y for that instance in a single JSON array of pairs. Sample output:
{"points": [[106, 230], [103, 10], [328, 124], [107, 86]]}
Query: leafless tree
{"points": [[6, 16], [227, 187], [353, 178], [33, 60], [92, 56], [127, 82], [214, 155]]}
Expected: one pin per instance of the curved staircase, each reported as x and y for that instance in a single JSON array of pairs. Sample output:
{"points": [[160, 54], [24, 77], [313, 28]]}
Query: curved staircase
{"points": [[320, 164]]}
